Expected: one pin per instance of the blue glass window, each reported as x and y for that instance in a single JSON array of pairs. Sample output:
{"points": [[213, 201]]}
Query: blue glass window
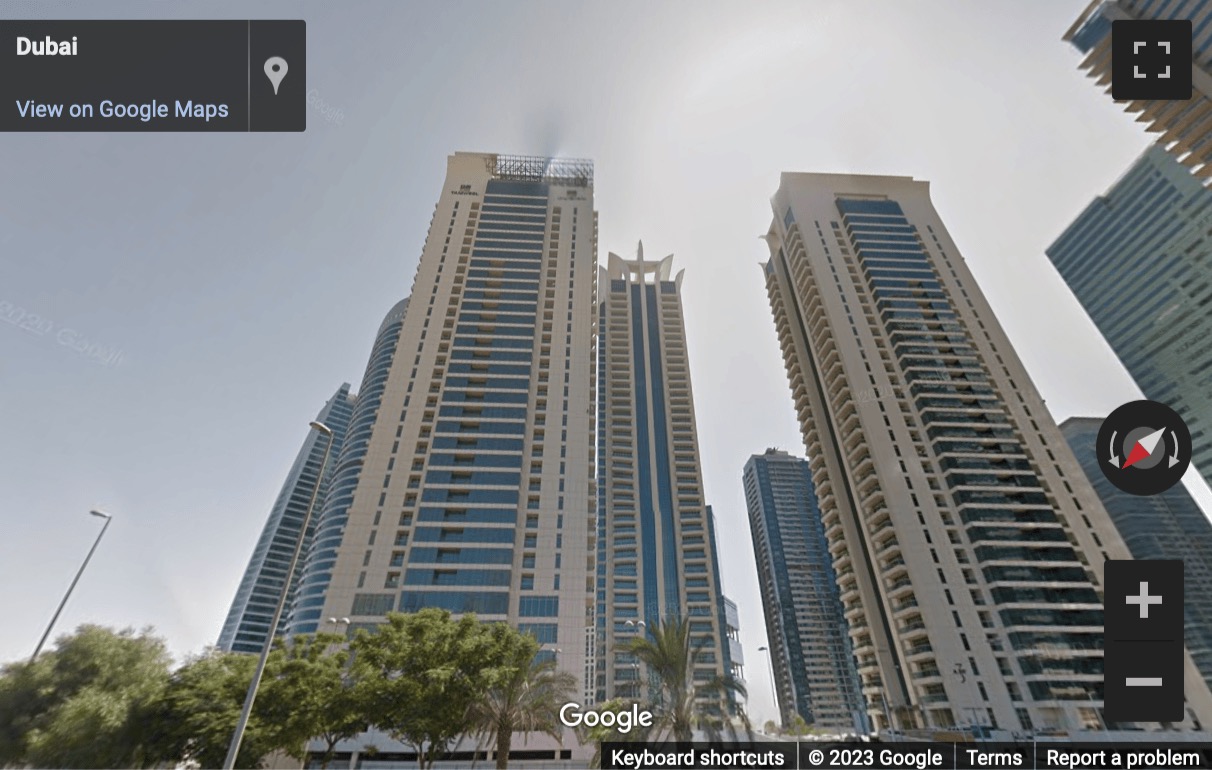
{"points": [[539, 606], [480, 602], [457, 577]]}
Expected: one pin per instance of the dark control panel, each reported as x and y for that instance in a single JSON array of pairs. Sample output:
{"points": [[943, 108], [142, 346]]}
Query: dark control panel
{"points": [[1143, 664]]}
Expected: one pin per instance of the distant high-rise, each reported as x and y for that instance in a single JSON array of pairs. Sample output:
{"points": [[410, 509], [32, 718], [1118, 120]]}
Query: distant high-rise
{"points": [[1165, 526], [656, 541], [732, 631], [1184, 126], [475, 488], [1139, 259], [305, 615], [967, 542], [806, 631], [257, 597]]}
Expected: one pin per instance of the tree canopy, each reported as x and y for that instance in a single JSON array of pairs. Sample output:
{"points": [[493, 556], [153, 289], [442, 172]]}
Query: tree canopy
{"points": [[308, 692], [79, 704], [420, 674], [104, 698]]}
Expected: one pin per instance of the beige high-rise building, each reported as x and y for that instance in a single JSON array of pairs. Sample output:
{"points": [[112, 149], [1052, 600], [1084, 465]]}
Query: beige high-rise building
{"points": [[475, 492], [967, 541]]}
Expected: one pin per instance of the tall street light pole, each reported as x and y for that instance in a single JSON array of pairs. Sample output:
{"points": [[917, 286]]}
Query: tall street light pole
{"points": [[774, 690], [238, 736], [67, 595], [640, 627]]}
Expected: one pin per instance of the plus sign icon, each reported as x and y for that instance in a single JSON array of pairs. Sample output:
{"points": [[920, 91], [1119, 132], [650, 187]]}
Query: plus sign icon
{"points": [[1143, 653], [1150, 59]]}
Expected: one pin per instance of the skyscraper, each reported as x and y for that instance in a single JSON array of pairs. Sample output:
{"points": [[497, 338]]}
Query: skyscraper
{"points": [[1165, 526], [1139, 259], [967, 542], [1182, 126], [656, 541], [252, 611], [806, 631], [475, 487], [305, 611]]}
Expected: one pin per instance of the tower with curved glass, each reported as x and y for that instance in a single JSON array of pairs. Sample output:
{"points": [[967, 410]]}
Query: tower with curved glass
{"points": [[306, 611], [252, 610]]}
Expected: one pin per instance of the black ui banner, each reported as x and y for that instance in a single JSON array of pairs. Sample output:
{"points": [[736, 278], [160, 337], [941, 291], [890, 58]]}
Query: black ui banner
{"points": [[153, 75], [908, 755]]}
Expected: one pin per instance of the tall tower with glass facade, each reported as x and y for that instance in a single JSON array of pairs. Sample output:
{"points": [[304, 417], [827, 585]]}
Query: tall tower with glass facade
{"points": [[968, 544], [810, 649], [475, 488], [247, 625], [1169, 525], [1139, 260], [331, 515], [1183, 127], [656, 538]]}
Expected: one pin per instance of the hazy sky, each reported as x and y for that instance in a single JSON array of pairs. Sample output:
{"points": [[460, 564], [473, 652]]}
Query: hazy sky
{"points": [[243, 276]]}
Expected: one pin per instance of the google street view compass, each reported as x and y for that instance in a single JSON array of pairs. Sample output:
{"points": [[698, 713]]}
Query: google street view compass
{"points": [[1144, 447]]}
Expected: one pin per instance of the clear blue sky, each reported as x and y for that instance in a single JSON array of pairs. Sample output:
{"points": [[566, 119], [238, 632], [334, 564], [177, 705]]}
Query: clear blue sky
{"points": [[243, 275]]}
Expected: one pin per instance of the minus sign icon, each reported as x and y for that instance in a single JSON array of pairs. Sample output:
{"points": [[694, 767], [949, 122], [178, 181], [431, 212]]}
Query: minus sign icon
{"points": [[1143, 681]]}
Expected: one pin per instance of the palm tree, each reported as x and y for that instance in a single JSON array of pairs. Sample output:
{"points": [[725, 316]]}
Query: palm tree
{"points": [[670, 658], [527, 702], [598, 734]]}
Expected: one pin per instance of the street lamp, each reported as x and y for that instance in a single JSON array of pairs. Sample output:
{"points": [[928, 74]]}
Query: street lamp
{"points": [[238, 736], [75, 580], [1098, 714], [336, 624], [639, 626], [774, 690]]}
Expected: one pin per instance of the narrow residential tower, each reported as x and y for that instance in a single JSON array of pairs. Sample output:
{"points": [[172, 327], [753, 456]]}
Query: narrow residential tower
{"points": [[656, 540]]}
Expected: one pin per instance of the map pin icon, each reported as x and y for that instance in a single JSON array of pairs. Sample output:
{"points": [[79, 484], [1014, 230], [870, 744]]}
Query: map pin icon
{"points": [[275, 70]]}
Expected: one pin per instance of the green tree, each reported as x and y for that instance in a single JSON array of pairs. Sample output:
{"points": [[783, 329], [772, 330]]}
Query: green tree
{"points": [[798, 726], [528, 700], [770, 728], [670, 656], [420, 674], [197, 716], [80, 705], [309, 693]]}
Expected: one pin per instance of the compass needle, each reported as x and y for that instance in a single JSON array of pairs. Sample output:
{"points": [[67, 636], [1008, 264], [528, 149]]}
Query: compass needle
{"points": [[1144, 447]]}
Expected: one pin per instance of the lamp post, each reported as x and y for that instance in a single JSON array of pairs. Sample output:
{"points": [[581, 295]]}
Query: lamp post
{"points": [[774, 690], [336, 624], [1098, 714], [640, 627], [238, 736], [75, 580]]}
